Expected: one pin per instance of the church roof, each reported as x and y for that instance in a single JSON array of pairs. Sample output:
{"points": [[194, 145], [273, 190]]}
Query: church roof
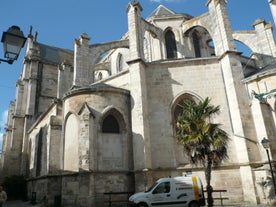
{"points": [[269, 69], [95, 88], [55, 55], [162, 11]]}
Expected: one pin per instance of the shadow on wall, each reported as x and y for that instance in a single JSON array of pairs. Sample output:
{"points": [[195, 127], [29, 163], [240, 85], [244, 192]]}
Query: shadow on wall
{"points": [[15, 187]]}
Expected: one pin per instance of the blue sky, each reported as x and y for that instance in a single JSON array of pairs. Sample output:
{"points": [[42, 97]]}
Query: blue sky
{"points": [[59, 22]]}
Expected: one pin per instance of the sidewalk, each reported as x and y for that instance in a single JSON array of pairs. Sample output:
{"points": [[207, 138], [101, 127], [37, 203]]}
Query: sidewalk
{"points": [[19, 204], [28, 204], [249, 205]]}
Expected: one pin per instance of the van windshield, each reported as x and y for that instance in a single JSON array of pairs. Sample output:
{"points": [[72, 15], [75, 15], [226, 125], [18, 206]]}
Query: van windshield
{"points": [[155, 184]]}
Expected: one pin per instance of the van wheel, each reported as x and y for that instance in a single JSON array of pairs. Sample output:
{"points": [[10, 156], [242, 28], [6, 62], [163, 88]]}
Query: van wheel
{"points": [[194, 204], [142, 205]]}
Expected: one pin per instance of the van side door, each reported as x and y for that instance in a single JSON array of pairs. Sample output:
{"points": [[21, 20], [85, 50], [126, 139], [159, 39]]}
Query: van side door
{"points": [[161, 195]]}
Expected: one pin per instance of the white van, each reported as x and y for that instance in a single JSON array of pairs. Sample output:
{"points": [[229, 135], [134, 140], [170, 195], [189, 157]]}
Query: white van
{"points": [[185, 191]]}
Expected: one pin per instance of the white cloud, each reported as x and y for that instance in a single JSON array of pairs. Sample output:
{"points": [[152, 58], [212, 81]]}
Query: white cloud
{"points": [[4, 117]]}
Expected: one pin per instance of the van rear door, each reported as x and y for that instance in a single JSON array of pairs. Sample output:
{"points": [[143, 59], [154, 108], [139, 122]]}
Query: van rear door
{"points": [[183, 192]]}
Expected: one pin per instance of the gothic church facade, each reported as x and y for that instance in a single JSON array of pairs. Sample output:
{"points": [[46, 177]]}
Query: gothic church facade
{"points": [[101, 118]]}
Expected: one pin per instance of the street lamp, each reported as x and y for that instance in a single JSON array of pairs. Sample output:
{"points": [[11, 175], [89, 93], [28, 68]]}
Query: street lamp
{"points": [[265, 143], [13, 40]]}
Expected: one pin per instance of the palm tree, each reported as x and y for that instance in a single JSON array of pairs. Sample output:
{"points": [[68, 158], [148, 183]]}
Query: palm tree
{"points": [[203, 141]]}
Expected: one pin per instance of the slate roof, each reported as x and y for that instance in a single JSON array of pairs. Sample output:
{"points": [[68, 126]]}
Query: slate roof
{"points": [[55, 55], [269, 69]]}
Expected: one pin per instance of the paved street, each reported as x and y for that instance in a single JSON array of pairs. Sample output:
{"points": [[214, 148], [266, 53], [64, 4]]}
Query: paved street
{"points": [[19, 204], [28, 204]]}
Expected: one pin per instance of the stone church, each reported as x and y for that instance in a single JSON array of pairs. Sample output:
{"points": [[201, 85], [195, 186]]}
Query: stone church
{"points": [[101, 118]]}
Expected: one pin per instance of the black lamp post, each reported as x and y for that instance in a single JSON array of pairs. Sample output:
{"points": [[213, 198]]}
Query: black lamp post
{"points": [[265, 143], [13, 40]]}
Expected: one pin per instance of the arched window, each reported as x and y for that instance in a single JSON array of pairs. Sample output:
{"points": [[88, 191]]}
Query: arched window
{"points": [[39, 140], [120, 62], [100, 77], [30, 159], [110, 125], [177, 109], [170, 44], [196, 44], [71, 145], [146, 49]]}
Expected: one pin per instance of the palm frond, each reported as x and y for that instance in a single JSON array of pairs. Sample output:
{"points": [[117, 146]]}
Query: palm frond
{"points": [[199, 136]]}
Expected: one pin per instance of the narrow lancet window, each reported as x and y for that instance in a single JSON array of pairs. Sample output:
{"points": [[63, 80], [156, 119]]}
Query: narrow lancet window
{"points": [[196, 44], [170, 45]]}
